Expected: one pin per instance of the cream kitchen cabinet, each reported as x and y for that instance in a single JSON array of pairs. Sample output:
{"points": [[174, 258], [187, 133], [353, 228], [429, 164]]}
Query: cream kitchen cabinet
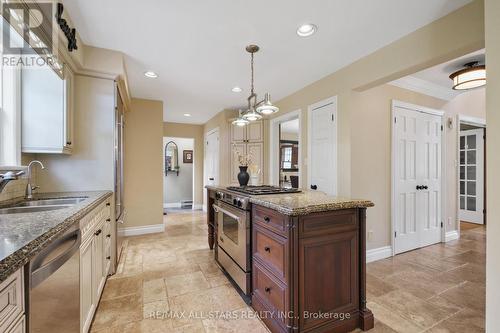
{"points": [[95, 260], [47, 111], [12, 318], [247, 140]]}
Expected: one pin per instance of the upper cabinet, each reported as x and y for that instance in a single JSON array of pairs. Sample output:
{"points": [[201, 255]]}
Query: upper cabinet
{"points": [[47, 111], [253, 132]]}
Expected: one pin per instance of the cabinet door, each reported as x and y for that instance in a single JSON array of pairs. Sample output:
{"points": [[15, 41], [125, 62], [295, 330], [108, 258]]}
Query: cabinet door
{"points": [[328, 276], [255, 131], [236, 148], [256, 150], [99, 263], [87, 305], [238, 133]]}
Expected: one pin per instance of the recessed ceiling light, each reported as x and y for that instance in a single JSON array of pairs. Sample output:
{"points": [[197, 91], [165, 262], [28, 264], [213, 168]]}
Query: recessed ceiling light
{"points": [[236, 89], [306, 30], [150, 74], [187, 114]]}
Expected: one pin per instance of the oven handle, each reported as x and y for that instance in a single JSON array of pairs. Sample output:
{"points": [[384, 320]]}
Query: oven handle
{"points": [[222, 210]]}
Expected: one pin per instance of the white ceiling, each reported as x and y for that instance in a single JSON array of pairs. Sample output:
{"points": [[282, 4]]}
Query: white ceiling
{"points": [[197, 47], [291, 126]]}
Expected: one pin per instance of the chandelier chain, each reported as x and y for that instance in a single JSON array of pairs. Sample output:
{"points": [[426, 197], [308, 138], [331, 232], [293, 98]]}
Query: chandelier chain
{"points": [[252, 72]]}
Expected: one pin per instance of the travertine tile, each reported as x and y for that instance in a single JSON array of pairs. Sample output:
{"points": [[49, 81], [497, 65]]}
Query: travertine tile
{"points": [[154, 290], [467, 320], [156, 310], [186, 283], [122, 286], [242, 320], [118, 311]]}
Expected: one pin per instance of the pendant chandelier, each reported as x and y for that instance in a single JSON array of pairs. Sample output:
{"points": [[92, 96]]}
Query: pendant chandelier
{"points": [[472, 76], [255, 110]]}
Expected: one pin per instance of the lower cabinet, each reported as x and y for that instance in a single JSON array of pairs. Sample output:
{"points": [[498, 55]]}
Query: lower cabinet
{"points": [[308, 271], [95, 261], [12, 317]]}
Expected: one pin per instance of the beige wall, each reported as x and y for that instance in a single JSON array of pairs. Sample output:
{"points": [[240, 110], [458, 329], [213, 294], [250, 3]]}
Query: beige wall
{"points": [[143, 163], [493, 165], [196, 132]]}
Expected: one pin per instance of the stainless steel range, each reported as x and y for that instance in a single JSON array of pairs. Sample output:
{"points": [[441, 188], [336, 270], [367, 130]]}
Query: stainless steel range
{"points": [[233, 219]]}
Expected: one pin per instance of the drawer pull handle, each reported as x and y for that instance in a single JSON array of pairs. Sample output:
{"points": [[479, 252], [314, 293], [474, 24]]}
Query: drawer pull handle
{"points": [[108, 235], [267, 219], [98, 232], [108, 204], [108, 220], [267, 249], [108, 257], [267, 290]]}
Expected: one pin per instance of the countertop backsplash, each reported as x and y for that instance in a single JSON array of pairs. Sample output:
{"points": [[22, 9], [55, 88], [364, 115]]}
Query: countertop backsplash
{"points": [[14, 189]]}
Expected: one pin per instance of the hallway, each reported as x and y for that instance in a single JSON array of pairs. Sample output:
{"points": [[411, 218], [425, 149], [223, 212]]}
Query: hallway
{"points": [[436, 289]]}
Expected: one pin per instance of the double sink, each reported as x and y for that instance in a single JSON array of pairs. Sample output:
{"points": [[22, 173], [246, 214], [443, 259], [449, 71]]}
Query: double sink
{"points": [[42, 205]]}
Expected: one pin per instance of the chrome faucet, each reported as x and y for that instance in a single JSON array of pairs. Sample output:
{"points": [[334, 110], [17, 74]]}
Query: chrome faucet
{"points": [[30, 188], [7, 177]]}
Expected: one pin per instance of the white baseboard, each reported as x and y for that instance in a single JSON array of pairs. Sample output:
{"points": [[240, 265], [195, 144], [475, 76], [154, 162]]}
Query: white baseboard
{"points": [[197, 206], [451, 235], [378, 253], [172, 205], [142, 230]]}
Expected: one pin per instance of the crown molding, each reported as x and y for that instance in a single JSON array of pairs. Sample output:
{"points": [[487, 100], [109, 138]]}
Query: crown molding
{"points": [[425, 87]]}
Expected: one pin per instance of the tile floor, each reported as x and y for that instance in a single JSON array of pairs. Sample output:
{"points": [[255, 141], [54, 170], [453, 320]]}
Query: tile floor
{"points": [[169, 282]]}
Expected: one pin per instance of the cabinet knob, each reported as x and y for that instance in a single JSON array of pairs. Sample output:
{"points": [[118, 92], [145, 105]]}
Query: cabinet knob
{"points": [[108, 220], [267, 219], [68, 143], [314, 187], [98, 232], [108, 235], [108, 204], [267, 289], [267, 249], [108, 257]]}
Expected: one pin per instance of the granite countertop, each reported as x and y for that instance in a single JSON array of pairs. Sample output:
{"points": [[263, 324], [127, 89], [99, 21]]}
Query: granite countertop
{"points": [[24, 235], [304, 202]]}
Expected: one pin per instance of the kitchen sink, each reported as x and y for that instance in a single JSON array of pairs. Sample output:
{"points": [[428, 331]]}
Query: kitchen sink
{"points": [[42, 205], [51, 202], [31, 209]]}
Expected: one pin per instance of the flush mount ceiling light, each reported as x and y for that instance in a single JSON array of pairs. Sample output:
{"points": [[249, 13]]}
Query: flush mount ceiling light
{"points": [[187, 114], [306, 30], [472, 76], [236, 90], [150, 74], [255, 109]]}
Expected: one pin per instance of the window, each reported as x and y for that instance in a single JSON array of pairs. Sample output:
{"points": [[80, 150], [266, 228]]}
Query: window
{"points": [[287, 158], [10, 114]]}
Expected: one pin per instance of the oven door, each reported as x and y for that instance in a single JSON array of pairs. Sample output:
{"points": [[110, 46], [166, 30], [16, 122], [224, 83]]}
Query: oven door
{"points": [[234, 233]]}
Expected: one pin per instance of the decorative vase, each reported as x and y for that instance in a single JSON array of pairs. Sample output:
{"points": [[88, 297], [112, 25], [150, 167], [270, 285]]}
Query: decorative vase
{"points": [[243, 176]]}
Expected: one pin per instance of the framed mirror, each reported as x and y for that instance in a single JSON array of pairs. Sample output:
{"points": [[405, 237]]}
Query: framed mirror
{"points": [[171, 158]]}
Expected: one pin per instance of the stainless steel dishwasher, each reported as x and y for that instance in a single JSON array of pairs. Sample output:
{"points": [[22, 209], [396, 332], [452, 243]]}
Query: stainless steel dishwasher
{"points": [[54, 282]]}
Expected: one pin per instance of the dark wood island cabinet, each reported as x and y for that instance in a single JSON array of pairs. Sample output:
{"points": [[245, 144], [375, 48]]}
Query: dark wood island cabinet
{"points": [[309, 262]]}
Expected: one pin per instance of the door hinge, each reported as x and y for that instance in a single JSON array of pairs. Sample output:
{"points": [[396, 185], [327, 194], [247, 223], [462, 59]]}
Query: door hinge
{"points": [[442, 225], [484, 211], [442, 128], [395, 120], [395, 234], [333, 117]]}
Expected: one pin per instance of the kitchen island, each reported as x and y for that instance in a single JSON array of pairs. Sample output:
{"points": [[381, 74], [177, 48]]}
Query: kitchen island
{"points": [[308, 254]]}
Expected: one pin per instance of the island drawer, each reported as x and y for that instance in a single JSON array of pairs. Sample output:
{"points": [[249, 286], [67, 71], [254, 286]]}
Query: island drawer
{"points": [[272, 251], [271, 292], [270, 219], [317, 224]]}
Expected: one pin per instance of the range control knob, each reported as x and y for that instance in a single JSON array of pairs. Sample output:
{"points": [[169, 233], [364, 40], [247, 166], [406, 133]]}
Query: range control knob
{"points": [[235, 201], [240, 202]]}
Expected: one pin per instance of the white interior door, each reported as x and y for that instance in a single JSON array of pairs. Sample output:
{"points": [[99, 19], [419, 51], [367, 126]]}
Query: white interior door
{"points": [[212, 158], [323, 148], [471, 175], [417, 179]]}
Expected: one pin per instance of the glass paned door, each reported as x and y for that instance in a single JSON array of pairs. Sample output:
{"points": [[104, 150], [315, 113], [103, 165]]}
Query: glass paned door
{"points": [[471, 174]]}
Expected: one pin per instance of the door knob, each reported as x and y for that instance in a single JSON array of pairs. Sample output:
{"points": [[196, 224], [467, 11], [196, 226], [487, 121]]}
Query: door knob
{"points": [[314, 187]]}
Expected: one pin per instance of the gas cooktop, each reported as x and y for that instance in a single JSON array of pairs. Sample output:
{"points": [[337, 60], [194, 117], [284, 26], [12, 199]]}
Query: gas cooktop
{"points": [[263, 189]]}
